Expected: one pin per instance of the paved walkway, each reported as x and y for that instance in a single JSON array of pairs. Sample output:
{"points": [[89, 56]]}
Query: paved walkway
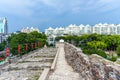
{"points": [[63, 71]]}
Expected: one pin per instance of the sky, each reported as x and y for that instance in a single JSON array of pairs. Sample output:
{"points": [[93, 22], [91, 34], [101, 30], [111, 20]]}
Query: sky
{"points": [[58, 13]]}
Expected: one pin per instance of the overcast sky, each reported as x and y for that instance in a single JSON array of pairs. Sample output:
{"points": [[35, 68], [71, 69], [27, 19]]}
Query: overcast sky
{"points": [[55, 13]]}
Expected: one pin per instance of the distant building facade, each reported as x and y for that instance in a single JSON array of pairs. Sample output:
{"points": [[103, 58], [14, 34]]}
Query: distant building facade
{"points": [[3, 29], [28, 30], [70, 30], [84, 29], [106, 29], [3, 37], [73, 29], [3, 26]]}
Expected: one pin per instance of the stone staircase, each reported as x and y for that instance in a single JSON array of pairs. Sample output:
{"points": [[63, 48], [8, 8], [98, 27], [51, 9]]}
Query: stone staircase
{"points": [[29, 67]]}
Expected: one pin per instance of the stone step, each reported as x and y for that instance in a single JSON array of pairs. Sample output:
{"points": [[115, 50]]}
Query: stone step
{"points": [[35, 65], [44, 55], [21, 75], [37, 60]]}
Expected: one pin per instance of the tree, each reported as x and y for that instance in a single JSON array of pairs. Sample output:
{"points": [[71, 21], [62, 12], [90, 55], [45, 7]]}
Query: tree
{"points": [[23, 38], [2, 45], [97, 45], [118, 50]]}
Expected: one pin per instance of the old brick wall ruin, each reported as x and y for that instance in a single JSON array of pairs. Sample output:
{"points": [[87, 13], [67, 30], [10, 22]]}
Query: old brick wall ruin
{"points": [[93, 67]]}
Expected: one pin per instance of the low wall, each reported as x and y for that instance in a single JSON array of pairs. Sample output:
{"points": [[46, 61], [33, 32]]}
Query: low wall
{"points": [[93, 67]]}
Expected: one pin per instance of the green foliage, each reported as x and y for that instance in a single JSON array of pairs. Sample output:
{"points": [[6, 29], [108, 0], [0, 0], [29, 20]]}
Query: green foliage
{"points": [[102, 53], [60, 37], [2, 56], [95, 51], [118, 50], [94, 41], [97, 45], [24, 38], [2, 45], [113, 58]]}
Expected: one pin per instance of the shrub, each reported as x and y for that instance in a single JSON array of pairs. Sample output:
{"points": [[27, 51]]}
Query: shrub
{"points": [[85, 51], [102, 53], [95, 51], [113, 58]]}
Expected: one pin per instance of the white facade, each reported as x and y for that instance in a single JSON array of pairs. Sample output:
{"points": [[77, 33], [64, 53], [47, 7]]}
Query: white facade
{"points": [[106, 29], [3, 37], [3, 26], [28, 30], [3, 29], [73, 29]]}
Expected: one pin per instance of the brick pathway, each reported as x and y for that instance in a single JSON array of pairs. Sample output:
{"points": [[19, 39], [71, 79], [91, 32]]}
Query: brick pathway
{"points": [[63, 71]]}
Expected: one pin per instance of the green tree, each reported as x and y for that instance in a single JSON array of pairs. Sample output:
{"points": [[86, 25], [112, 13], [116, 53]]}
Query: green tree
{"points": [[2, 45], [97, 45], [118, 50], [23, 38]]}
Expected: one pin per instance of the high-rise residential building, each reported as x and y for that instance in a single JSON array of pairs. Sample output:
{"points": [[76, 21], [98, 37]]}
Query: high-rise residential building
{"points": [[106, 29], [3, 26], [72, 29], [3, 29]]}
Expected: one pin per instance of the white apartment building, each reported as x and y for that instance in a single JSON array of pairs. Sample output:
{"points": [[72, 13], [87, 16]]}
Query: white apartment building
{"points": [[28, 30], [106, 28], [73, 29]]}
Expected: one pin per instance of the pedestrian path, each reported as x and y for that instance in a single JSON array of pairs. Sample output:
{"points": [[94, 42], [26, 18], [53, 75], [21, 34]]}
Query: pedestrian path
{"points": [[63, 71]]}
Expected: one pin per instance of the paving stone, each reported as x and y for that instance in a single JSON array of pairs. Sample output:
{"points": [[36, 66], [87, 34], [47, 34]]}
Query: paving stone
{"points": [[63, 71]]}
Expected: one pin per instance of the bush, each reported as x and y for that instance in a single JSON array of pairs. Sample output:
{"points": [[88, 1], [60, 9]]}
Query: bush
{"points": [[95, 51], [102, 53], [113, 58], [85, 51]]}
